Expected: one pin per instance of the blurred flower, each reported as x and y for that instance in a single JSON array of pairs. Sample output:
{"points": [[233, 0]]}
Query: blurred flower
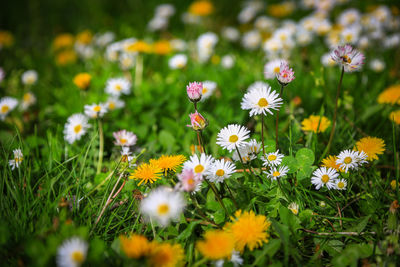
{"points": [[251, 40], [178, 45], [205, 46], [169, 163], [126, 61], [126, 156], [118, 86], [200, 165], [272, 68], [394, 116], [348, 159], [248, 229], [82, 80], [66, 57], [324, 177], [95, 110], [281, 10], [372, 146], [235, 259], [194, 91], [393, 184], [391, 95], [178, 61], [327, 60], [315, 124], [17, 159], [294, 208], [76, 127], [72, 252], [63, 41], [348, 57], [276, 172], [272, 159], [377, 65], [162, 47], [220, 170], [261, 101], [135, 246], [217, 244], [124, 138], [103, 39], [164, 10], [227, 61], [84, 37], [341, 184], [28, 100], [201, 8], [2, 74], [166, 255], [231, 34], [114, 103], [7, 104], [198, 122], [208, 89], [286, 74], [189, 181], [29, 77], [6, 39], [163, 205], [330, 162], [138, 46], [232, 136], [146, 172], [257, 84]]}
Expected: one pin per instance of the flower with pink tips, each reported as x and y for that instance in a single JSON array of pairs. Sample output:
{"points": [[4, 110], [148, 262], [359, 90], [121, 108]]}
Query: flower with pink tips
{"points": [[194, 91], [124, 138], [189, 181], [348, 57], [198, 122], [286, 74]]}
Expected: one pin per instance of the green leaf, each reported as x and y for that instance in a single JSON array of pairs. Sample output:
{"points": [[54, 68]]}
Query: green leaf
{"points": [[291, 163], [305, 157], [270, 249], [166, 139]]}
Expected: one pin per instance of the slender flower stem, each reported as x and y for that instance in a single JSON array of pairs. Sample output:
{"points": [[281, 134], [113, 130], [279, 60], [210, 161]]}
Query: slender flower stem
{"points": [[328, 146], [281, 188], [202, 142], [199, 141], [139, 70], [101, 147], [230, 192], [200, 212], [277, 120], [214, 189], [262, 133]]}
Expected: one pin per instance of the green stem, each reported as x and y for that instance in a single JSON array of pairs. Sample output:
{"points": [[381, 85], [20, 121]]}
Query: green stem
{"points": [[101, 147], [230, 192], [262, 133], [139, 70], [214, 189], [277, 120]]}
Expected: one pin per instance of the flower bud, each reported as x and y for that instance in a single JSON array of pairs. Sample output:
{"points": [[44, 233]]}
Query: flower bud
{"points": [[197, 121], [194, 91], [285, 75]]}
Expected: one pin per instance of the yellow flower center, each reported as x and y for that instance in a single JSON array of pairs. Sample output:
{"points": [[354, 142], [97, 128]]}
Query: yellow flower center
{"points": [[123, 141], [111, 105], [199, 168], [97, 108], [18, 159], [325, 178], [190, 181], [276, 173], [233, 138], [340, 185], [27, 97], [220, 172], [271, 157], [163, 209], [347, 160], [294, 211], [205, 90], [277, 69], [77, 128], [263, 102], [5, 108], [118, 87], [77, 256], [346, 59]]}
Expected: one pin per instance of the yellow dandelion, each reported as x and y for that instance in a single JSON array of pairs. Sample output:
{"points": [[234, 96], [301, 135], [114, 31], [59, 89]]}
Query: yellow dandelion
{"points": [[84, 37], [249, 230], [201, 8], [169, 163], [372, 146], [162, 47], [390, 96], [217, 244], [66, 57], [139, 46], [166, 255], [64, 40], [281, 10], [82, 80], [395, 116], [135, 246], [147, 172], [6, 39], [330, 162], [316, 124]]}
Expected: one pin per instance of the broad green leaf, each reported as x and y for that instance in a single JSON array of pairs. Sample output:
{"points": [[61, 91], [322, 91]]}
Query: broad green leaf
{"points": [[305, 156]]}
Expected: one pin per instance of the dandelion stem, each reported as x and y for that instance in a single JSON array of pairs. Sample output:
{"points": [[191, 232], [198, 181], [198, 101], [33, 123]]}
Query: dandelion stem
{"points": [[139, 70], [101, 147], [328, 147], [277, 120]]}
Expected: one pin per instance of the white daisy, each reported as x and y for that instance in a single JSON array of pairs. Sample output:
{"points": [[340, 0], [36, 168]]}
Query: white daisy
{"points": [[126, 156], [272, 68], [257, 84], [7, 104], [231, 34], [235, 259], [361, 158], [17, 159], [124, 138], [251, 40], [246, 153], [261, 100], [341, 184], [163, 205], [276, 172], [72, 252], [348, 159], [29, 77], [76, 127], [227, 61], [232, 136], [118, 86], [28, 100], [273, 159], [114, 103], [178, 61], [377, 65], [126, 61], [324, 177], [220, 170], [208, 89], [199, 165], [294, 207], [95, 110]]}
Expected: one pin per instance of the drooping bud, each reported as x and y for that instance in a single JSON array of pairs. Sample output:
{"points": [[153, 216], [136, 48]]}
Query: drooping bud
{"points": [[198, 122]]}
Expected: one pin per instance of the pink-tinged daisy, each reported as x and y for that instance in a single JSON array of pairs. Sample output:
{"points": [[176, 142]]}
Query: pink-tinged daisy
{"points": [[232, 136], [348, 57], [194, 91], [124, 138], [261, 100], [286, 74], [189, 181], [324, 177], [197, 121], [275, 172]]}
